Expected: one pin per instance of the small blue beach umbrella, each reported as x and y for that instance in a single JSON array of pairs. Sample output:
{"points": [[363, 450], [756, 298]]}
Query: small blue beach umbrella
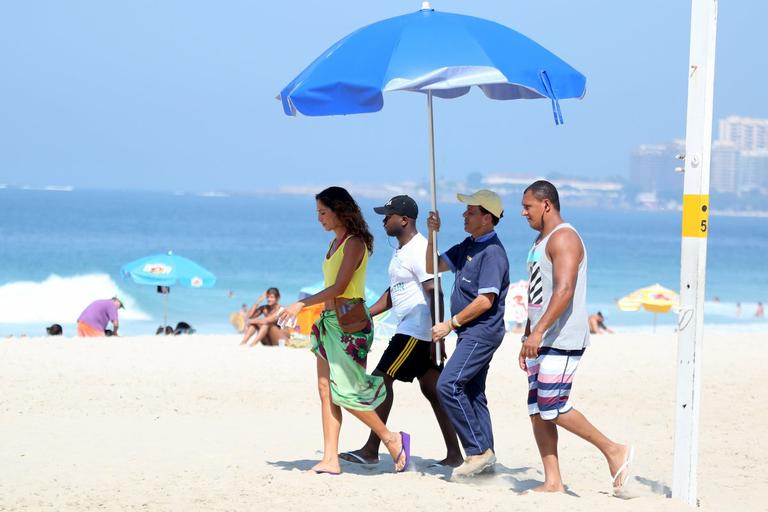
{"points": [[168, 270], [435, 53]]}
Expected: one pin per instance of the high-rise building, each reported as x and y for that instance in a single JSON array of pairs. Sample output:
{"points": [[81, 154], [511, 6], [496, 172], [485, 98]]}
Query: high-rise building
{"points": [[739, 161], [745, 133], [739, 155], [753, 171], [652, 168], [723, 167]]}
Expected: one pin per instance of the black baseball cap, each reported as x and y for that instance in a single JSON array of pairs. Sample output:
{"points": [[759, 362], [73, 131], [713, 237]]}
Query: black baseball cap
{"points": [[399, 205]]}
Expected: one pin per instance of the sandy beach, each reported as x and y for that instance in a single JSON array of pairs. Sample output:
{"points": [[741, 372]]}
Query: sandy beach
{"points": [[200, 423]]}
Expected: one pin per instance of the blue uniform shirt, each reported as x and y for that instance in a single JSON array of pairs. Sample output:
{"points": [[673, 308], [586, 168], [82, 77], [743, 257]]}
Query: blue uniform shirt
{"points": [[481, 266]]}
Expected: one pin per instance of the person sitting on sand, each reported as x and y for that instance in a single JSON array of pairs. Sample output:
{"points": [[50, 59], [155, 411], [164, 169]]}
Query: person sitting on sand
{"points": [[262, 321], [597, 324], [94, 319]]}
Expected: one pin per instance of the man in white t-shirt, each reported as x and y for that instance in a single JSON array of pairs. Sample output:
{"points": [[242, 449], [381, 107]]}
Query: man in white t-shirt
{"points": [[410, 353]]}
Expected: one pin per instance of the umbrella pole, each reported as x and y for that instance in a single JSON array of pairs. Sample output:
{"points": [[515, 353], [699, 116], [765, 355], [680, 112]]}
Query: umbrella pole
{"points": [[433, 183], [165, 310]]}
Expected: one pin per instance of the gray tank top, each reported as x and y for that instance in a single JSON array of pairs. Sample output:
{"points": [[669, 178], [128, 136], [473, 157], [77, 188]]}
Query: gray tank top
{"points": [[571, 330]]}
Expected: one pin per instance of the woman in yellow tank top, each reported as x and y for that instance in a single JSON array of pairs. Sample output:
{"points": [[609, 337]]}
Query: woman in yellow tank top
{"points": [[341, 356]]}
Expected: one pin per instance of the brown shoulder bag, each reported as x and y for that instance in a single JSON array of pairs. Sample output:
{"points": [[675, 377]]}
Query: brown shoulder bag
{"points": [[351, 315]]}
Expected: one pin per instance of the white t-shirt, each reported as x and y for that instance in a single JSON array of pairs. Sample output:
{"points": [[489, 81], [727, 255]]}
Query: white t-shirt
{"points": [[407, 270]]}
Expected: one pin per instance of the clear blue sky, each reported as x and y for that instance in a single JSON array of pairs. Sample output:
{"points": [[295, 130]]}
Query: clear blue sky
{"points": [[179, 95]]}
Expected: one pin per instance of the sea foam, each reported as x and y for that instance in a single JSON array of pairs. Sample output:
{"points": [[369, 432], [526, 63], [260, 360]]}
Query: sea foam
{"points": [[60, 299]]}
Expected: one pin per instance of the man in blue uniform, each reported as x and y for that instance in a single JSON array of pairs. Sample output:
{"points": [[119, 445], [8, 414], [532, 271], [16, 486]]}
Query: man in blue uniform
{"points": [[481, 269]]}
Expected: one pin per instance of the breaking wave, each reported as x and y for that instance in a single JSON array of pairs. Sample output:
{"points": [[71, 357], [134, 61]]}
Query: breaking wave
{"points": [[60, 299]]}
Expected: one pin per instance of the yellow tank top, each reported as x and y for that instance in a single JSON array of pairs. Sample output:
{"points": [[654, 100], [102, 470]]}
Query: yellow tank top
{"points": [[356, 287]]}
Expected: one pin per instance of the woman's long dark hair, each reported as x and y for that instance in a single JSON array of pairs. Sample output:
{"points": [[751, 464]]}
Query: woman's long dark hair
{"points": [[348, 212]]}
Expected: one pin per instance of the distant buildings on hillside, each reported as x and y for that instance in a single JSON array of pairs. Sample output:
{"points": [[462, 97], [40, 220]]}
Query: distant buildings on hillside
{"points": [[576, 192], [738, 177]]}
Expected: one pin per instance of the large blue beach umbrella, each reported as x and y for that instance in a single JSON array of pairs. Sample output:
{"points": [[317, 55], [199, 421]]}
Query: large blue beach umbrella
{"points": [[439, 54], [168, 270]]}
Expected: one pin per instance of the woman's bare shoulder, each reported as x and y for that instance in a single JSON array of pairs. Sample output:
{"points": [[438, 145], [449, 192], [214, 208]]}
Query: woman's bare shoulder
{"points": [[354, 242]]}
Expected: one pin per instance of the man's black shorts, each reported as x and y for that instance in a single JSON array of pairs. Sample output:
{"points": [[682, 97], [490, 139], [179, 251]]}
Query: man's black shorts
{"points": [[406, 358]]}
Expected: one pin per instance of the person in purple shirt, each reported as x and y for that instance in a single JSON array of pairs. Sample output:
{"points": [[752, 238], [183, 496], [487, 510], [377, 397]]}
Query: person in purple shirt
{"points": [[93, 321]]}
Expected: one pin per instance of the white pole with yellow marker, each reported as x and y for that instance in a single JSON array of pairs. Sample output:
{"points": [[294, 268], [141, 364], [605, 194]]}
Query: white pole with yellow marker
{"points": [[698, 142]]}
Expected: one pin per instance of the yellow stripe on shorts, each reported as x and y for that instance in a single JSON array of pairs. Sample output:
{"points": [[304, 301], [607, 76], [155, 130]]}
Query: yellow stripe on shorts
{"points": [[403, 356]]}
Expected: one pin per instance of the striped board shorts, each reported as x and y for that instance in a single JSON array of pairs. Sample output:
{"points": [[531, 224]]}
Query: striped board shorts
{"points": [[550, 377]]}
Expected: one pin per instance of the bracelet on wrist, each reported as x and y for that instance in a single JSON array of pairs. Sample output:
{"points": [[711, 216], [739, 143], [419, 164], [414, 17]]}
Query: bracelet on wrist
{"points": [[455, 323]]}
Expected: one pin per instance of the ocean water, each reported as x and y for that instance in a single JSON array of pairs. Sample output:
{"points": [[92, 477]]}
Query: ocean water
{"points": [[59, 250]]}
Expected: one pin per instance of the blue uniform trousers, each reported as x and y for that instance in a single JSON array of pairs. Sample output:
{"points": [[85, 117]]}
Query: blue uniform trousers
{"points": [[461, 390]]}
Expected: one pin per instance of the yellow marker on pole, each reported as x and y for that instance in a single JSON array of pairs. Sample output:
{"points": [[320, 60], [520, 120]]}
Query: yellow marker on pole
{"points": [[696, 215]]}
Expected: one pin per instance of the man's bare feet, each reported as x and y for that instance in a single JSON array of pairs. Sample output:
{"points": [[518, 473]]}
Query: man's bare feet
{"points": [[615, 460], [619, 465]]}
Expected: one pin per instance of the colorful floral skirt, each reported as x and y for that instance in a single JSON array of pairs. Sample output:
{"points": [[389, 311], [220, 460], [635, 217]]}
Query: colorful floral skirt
{"points": [[351, 387]]}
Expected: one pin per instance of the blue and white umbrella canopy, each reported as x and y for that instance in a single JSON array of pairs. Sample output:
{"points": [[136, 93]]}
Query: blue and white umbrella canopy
{"points": [[168, 270], [427, 51]]}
